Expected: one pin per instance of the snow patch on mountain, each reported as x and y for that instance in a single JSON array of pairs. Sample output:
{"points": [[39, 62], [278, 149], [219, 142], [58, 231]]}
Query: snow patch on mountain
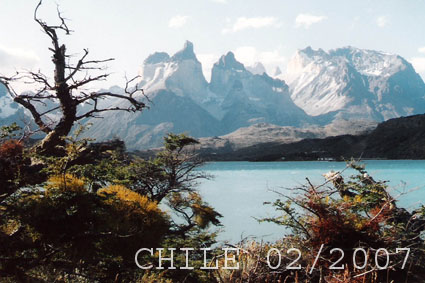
{"points": [[257, 69], [277, 72], [370, 62], [7, 106]]}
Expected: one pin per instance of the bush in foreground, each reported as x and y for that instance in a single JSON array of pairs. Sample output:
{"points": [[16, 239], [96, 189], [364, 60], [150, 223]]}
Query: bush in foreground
{"points": [[92, 210], [336, 218]]}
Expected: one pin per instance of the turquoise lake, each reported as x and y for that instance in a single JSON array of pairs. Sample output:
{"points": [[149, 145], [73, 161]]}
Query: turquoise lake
{"points": [[239, 189]]}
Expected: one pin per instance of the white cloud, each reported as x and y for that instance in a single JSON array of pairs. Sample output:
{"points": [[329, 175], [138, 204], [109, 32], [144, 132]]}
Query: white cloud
{"points": [[177, 21], [249, 55], [421, 49], [306, 20], [207, 61], [382, 21], [254, 22], [419, 64], [220, 1], [17, 58]]}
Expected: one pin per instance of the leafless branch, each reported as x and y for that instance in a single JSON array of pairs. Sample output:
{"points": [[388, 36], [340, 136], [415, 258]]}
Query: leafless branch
{"points": [[78, 84], [65, 88]]}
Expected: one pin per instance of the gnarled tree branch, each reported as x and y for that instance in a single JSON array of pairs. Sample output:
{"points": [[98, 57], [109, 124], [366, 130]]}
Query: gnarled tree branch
{"points": [[65, 89]]}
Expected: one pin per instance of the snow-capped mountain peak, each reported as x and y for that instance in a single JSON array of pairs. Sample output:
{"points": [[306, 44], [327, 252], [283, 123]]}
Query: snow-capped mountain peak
{"points": [[229, 61], [353, 82], [156, 58], [186, 53], [160, 71]]}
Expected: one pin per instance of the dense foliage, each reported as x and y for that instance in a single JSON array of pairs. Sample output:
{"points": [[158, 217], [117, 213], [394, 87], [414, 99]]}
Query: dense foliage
{"points": [[94, 208]]}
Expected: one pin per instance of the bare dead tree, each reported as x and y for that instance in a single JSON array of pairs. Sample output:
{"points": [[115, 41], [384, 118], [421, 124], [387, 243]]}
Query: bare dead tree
{"points": [[67, 89]]}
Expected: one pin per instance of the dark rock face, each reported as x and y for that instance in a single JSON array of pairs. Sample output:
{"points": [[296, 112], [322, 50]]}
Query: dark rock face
{"points": [[337, 148], [400, 138]]}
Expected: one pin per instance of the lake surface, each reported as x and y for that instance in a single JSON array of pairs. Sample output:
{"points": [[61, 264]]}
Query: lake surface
{"points": [[239, 189]]}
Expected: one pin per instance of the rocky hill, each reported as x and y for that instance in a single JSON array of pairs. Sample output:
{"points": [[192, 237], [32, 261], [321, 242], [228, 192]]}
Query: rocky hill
{"points": [[398, 138]]}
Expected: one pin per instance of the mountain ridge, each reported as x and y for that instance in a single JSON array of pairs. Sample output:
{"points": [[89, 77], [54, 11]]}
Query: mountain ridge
{"points": [[320, 88], [233, 99]]}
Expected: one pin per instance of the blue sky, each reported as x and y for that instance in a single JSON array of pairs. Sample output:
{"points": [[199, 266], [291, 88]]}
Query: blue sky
{"points": [[269, 31]]}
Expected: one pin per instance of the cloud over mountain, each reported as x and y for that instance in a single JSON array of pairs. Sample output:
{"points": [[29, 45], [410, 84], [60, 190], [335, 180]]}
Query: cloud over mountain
{"points": [[307, 20], [177, 21], [17, 58], [243, 23]]}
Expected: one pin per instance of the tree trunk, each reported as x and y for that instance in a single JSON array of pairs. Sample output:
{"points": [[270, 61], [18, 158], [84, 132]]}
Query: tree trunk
{"points": [[48, 145]]}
